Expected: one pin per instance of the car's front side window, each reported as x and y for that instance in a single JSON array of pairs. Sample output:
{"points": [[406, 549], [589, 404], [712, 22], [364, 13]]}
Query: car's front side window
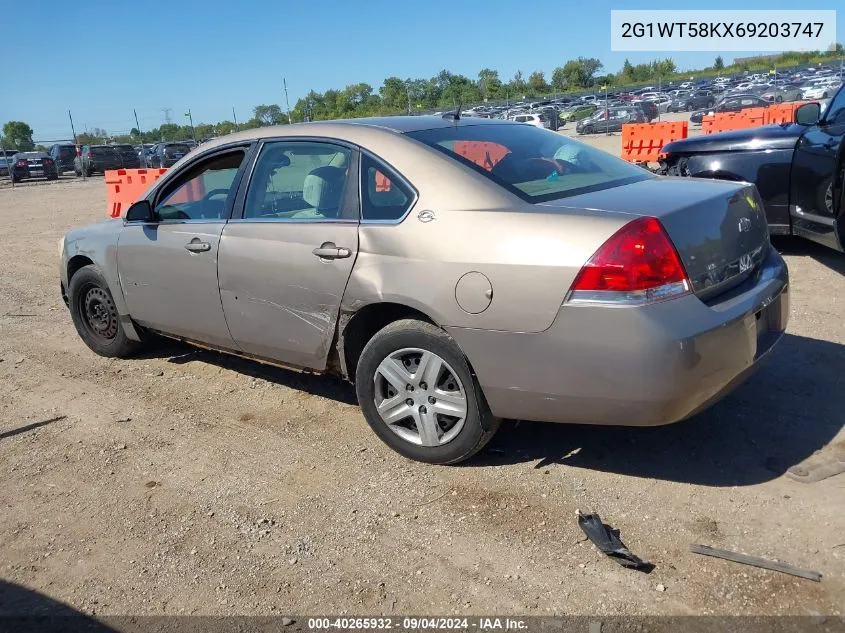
{"points": [[300, 180], [201, 193]]}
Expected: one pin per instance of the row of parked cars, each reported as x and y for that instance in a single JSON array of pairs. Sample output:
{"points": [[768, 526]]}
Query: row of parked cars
{"points": [[91, 159]]}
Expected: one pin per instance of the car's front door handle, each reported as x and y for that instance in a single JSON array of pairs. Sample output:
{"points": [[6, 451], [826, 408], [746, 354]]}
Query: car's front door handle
{"points": [[195, 246], [328, 250]]}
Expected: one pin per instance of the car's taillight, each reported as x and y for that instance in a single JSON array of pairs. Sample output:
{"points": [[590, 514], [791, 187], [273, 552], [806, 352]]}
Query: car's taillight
{"points": [[47, 161], [637, 265], [21, 163]]}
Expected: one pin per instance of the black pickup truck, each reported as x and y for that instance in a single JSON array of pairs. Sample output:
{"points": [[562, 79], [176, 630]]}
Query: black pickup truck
{"points": [[798, 169]]}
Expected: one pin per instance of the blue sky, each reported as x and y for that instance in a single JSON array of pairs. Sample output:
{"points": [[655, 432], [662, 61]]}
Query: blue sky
{"points": [[101, 59]]}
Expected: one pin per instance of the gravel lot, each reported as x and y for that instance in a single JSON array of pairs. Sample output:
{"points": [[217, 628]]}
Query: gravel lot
{"points": [[188, 482]]}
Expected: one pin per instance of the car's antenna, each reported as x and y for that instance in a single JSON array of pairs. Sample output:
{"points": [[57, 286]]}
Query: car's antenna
{"points": [[456, 115]]}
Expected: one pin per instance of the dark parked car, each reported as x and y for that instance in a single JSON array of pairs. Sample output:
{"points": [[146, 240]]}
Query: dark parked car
{"points": [[798, 169], [96, 158], [63, 154], [5, 160], [33, 165], [693, 101], [166, 154], [732, 103], [649, 109], [610, 120], [128, 156]]}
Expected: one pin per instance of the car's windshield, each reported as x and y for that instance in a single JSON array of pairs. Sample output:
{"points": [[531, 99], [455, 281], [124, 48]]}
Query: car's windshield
{"points": [[534, 163]]}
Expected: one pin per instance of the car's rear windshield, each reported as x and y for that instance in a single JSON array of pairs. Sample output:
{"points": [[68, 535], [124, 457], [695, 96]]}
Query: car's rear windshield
{"points": [[124, 148], [101, 149], [535, 164], [184, 149]]}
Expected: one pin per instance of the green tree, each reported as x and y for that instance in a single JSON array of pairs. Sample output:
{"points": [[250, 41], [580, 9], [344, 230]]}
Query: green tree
{"points": [[558, 78], [489, 84], [18, 135], [394, 94], [269, 114], [170, 132], [223, 128], [719, 64], [537, 82], [589, 67], [517, 84]]}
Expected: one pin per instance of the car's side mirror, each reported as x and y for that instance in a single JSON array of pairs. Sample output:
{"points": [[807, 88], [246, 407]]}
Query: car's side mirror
{"points": [[141, 211], [808, 114]]}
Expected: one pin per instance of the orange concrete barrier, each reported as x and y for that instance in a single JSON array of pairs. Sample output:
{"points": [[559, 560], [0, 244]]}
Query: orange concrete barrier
{"points": [[125, 186], [482, 153], [642, 142], [783, 112], [708, 124], [191, 191], [754, 117], [750, 117]]}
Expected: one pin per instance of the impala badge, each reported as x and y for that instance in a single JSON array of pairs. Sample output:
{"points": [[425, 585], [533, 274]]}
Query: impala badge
{"points": [[425, 216], [744, 225], [746, 262]]}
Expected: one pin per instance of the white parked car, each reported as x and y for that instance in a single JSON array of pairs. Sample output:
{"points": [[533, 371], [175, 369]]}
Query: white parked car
{"points": [[819, 89], [537, 120]]}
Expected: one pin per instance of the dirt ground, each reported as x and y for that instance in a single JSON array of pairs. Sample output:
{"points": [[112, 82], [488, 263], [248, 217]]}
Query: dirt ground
{"points": [[186, 482]]}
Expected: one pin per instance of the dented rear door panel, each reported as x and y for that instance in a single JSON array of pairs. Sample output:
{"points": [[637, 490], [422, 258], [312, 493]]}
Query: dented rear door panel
{"points": [[281, 301]]}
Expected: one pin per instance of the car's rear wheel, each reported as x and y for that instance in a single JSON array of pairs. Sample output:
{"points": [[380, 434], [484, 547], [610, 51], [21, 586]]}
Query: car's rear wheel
{"points": [[418, 394], [95, 315]]}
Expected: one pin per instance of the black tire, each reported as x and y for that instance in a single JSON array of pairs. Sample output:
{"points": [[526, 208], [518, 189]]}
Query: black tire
{"points": [[779, 99], [479, 424], [95, 316]]}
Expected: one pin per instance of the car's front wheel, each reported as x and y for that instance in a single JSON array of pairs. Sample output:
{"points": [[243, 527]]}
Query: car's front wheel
{"points": [[95, 315], [418, 394]]}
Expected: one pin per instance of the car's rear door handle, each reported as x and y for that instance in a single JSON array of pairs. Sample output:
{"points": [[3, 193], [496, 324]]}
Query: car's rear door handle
{"points": [[328, 250], [195, 246]]}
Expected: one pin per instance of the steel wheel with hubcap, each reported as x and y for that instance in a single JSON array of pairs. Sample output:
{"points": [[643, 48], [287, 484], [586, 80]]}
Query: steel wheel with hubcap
{"points": [[418, 394]]}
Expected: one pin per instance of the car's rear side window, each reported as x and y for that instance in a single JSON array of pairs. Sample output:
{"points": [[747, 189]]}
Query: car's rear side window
{"points": [[535, 164], [384, 197], [301, 181]]}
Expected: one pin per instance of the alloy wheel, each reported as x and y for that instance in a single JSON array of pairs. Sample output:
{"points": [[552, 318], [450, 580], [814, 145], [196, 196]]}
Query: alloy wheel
{"points": [[420, 397]]}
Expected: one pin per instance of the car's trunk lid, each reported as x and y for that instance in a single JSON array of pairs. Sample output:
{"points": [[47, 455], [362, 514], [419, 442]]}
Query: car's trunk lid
{"points": [[719, 228]]}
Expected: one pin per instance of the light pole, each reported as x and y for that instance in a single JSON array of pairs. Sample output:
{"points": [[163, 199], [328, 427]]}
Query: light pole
{"points": [[191, 121], [9, 168]]}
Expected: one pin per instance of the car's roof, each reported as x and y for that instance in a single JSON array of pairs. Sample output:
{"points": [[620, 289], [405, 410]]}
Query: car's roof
{"points": [[337, 128]]}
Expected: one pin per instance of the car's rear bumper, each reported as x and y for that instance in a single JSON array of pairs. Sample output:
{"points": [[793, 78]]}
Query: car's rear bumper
{"points": [[632, 366]]}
